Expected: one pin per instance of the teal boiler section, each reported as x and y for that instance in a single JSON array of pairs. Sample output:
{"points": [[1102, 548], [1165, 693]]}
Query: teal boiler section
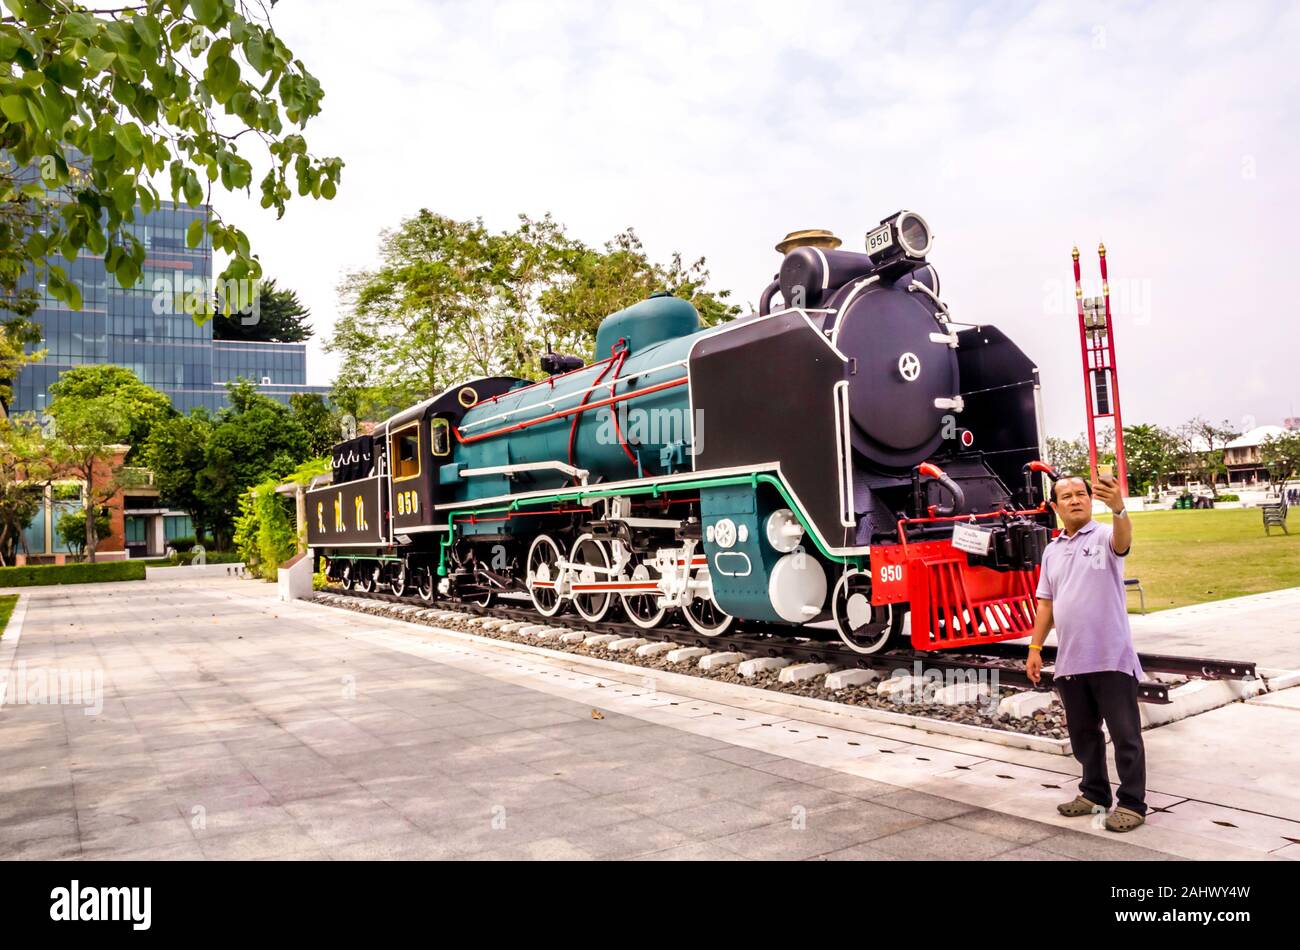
{"points": [[656, 428]]}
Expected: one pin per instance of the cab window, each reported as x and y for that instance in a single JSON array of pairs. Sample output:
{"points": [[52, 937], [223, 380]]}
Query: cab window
{"points": [[441, 431], [406, 453]]}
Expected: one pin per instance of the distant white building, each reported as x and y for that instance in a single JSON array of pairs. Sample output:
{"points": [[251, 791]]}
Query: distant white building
{"points": [[1244, 455]]}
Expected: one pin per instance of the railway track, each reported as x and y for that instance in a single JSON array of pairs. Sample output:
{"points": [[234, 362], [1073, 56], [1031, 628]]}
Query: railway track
{"points": [[755, 640]]}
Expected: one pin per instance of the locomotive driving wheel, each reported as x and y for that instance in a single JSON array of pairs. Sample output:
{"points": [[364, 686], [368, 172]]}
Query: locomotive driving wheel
{"points": [[863, 627], [471, 584], [366, 577], [425, 583], [590, 560], [643, 608], [347, 575], [703, 613], [398, 581], [543, 571]]}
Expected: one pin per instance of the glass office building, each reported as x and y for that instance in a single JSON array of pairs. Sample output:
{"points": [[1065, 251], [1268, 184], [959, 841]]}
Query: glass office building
{"points": [[269, 364], [146, 329]]}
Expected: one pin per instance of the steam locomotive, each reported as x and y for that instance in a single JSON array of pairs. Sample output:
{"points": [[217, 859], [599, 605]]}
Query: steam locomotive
{"points": [[847, 461]]}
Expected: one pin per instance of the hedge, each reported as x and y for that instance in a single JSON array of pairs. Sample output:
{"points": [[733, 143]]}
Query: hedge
{"points": [[36, 575], [187, 558]]}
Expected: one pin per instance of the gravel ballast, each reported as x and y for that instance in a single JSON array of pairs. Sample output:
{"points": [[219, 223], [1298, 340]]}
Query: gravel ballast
{"points": [[1049, 722]]}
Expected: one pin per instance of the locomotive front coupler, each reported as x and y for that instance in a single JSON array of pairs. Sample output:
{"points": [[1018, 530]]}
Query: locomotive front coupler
{"points": [[1016, 545]]}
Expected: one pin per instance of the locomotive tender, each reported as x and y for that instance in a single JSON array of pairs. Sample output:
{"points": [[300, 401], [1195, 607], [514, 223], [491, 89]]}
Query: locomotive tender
{"points": [[849, 456]]}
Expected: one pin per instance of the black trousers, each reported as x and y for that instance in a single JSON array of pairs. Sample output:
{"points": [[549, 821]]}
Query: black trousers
{"points": [[1089, 699]]}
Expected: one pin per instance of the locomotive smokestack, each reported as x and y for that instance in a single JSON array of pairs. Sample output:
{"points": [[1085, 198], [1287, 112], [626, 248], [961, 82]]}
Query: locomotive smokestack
{"points": [[813, 237]]}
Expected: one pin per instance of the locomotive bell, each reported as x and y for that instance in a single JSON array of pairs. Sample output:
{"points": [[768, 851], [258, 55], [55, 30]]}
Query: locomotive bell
{"points": [[811, 237]]}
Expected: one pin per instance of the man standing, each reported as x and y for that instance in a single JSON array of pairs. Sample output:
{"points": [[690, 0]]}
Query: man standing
{"points": [[1081, 591]]}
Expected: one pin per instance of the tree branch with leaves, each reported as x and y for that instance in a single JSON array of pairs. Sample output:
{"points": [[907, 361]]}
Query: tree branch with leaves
{"points": [[452, 300], [95, 104], [26, 469]]}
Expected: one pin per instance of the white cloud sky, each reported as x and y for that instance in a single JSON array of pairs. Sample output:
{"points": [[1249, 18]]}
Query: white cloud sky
{"points": [[1171, 131]]}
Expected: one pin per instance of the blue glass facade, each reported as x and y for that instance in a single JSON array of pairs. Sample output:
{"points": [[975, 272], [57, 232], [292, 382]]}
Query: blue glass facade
{"points": [[147, 330], [278, 364]]}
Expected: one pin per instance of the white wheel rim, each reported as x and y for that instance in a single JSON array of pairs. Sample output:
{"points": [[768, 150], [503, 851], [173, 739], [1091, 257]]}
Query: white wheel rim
{"points": [[604, 600], [647, 623], [543, 540], [700, 627], [874, 646]]}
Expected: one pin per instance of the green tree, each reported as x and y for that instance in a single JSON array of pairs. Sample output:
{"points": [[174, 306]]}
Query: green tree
{"points": [[143, 405], [1067, 456], [265, 535], [510, 328], [1280, 454], [280, 318], [176, 452], [1200, 450], [94, 104], [16, 333], [25, 470], [72, 529], [406, 325], [318, 420], [254, 439], [452, 299], [603, 282], [1152, 455], [90, 426]]}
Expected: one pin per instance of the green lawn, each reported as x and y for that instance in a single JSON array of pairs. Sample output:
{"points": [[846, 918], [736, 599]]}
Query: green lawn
{"points": [[7, 604], [1189, 557]]}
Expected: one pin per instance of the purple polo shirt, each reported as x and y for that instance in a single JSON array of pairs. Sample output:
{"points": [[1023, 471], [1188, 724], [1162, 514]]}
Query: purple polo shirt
{"points": [[1084, 579]]}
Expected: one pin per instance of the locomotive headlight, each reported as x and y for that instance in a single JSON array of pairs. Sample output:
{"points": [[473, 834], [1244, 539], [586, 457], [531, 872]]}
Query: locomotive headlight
{"points": [[899, 241], [913, 234]]}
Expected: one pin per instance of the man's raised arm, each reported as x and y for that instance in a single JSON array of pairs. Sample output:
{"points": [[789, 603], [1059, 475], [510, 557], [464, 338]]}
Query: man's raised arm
{"points": [[1108, 492]]}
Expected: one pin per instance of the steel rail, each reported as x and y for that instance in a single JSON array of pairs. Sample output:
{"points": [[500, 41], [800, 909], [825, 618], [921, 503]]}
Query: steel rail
{"points": [[1194, 666]]}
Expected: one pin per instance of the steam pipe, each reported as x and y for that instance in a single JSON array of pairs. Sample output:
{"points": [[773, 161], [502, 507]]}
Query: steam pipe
{"points": [[953, 489], [765, 301], [1041, 467]]}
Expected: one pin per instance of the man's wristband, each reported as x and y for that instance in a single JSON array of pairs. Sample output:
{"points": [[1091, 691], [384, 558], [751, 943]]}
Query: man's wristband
{"points": [[1036, 646]]}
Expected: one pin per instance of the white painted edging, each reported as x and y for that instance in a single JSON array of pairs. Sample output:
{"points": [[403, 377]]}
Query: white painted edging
{"points": [[1280, 679], [679, 682], [1195, 697], [185, 571], [294, 581], [9, 642]]}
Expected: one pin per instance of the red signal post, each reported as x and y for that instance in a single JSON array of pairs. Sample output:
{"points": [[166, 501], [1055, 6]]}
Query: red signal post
{"points": [[1100, 381]]}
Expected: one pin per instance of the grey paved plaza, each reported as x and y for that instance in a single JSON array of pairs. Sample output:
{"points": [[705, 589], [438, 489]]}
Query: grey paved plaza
{"points": [[234, 727]]}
